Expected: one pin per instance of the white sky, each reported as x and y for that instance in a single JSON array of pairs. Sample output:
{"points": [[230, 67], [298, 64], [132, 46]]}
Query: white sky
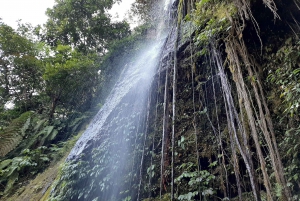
{"points": [[33, 11], [121, 9]]}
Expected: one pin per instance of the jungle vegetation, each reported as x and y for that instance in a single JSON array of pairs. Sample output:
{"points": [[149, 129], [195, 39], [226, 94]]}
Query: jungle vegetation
{"points": [[224, 115], [52, 78]]}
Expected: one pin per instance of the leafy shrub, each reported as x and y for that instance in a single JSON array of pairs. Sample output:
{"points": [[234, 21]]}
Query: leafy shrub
{"points": [[29, 163], [284, 71], [196, 182]]}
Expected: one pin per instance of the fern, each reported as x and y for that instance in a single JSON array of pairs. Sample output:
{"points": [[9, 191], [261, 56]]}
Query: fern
{"points": [[12, 135], [34, 132], [27, 136]]}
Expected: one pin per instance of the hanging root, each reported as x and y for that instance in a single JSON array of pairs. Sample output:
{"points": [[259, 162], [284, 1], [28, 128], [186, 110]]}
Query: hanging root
{"points": [[245, 13], [245, 102], [235, 128], [238, 57], [272, 6]]}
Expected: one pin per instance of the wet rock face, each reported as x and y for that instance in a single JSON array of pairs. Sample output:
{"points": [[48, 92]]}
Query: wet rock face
{"points": [[138, 75], [110, 150], [123, 155], [134, 84], [107, 161]]}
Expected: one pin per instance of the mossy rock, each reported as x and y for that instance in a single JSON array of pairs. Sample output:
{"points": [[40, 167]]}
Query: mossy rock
{"points": [[165, 197]]}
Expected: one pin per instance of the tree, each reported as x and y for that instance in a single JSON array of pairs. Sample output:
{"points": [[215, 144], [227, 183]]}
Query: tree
{"points": [[147, 10], [20, 72], [83, 24], [71, 79]]}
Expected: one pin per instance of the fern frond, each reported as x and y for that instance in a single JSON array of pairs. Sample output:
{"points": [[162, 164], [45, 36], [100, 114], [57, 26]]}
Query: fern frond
{"points": [[12, 135]]}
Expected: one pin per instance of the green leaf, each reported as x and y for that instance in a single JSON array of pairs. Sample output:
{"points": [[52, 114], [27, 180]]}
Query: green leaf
{"points": [[5, 163], [208, 192], [203, 111], [11, 181], [213, 164], [26, 126], [296, 71]]}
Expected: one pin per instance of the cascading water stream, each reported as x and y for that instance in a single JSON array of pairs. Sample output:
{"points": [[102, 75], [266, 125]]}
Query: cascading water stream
{"points": [[139, 74], [114, 143], [188, 118]]}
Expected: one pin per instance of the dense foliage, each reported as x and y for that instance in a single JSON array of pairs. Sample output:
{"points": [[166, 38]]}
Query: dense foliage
{"points": [[52, 80], [84, 24], [222, 120], [213, 137]]}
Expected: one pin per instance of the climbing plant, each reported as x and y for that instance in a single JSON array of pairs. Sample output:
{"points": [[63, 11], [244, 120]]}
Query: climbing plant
{"points": [[284, 71]]}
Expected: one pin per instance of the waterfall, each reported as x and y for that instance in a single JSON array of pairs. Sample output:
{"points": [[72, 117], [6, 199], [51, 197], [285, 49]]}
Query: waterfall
{"points": [[135, 78], [106, 163]]}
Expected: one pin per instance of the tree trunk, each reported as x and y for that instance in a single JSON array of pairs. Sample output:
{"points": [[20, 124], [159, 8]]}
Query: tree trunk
{"points": [[53, 107]]}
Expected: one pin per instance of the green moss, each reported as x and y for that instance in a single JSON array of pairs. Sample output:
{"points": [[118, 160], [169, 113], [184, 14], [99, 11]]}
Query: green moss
{"points": [[212, 18], [165, 197], [46, 195]]}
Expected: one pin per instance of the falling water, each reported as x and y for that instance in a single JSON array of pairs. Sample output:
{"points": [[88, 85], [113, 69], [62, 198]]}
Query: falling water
{"points": [[111, 146], [135, 77]]}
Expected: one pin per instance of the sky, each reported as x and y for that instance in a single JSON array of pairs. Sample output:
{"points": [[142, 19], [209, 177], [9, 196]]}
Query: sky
{"points": [[121, 9], [33, 11]]}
